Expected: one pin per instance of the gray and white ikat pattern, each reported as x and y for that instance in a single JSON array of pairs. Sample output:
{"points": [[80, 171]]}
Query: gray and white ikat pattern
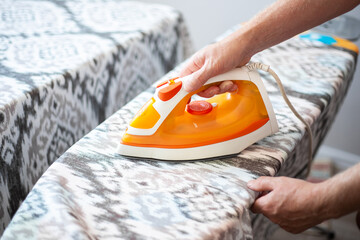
{"points": [[91, 192], [65, 66]]}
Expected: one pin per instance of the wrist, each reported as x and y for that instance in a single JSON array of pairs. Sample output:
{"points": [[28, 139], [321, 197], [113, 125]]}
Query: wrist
{"points": [[326, 200], [253, 37], [241, 43]]}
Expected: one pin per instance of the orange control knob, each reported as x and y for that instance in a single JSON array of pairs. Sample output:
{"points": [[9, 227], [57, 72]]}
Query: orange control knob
{"points": [[199, 107], [168, 92]]}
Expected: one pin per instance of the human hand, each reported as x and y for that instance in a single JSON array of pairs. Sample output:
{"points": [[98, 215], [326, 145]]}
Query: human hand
{"points": [[293, 204], [213, 60]]}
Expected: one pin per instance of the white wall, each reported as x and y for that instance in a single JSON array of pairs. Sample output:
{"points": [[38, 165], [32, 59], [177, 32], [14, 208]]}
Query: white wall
{"points": [[207, 19], [345, 132]]}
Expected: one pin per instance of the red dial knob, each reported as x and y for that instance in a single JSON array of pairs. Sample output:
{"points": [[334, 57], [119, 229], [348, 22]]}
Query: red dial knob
{"points": [[199, 107]]}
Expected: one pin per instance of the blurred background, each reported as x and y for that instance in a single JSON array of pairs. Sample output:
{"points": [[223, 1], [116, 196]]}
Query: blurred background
{"points": [[207, 19]]}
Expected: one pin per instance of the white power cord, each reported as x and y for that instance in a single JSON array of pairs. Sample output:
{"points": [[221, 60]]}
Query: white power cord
{"points": [[266, 68]]}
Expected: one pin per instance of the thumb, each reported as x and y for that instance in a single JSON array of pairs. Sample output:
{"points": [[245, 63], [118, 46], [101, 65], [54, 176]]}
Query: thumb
{"points": [[262, 184], [198, 78]]}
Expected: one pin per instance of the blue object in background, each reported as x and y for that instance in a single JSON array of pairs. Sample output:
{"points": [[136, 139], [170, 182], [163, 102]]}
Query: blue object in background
{"points": [[319, 37]]}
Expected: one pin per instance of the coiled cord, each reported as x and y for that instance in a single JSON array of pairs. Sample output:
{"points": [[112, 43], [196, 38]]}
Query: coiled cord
{"points": [[266, 68]]}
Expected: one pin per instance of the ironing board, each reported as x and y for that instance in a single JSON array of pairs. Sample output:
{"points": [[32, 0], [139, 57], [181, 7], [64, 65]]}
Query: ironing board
{"points": [[65, 66], [91, 192]]}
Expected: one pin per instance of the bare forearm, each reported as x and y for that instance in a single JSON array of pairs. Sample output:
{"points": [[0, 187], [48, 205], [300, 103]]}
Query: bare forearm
{"points": [[286, 18], [280, 21], [341, 194]]}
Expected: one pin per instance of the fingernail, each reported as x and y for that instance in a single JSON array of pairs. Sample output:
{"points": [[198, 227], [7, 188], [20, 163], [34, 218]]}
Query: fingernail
{"points": [[188, 87], [250, 183], [187, 82], [225, 86]]}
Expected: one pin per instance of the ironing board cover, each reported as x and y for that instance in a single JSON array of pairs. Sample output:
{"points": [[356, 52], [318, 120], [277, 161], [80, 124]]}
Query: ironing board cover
{"points": [[65, 66], [91, 192]]}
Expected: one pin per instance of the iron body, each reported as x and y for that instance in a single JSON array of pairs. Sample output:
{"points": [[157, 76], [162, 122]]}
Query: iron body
{"points": [[166, 128]]}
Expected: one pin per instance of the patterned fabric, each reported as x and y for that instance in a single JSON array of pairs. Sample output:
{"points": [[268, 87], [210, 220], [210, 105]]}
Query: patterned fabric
{"points": [[65, 66], [91, 192]]}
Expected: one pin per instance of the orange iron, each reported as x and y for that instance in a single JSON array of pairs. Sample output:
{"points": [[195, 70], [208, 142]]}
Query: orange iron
{"points": [[171, 126]]}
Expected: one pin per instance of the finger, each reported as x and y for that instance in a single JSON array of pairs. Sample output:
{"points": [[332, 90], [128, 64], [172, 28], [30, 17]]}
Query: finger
{"points": [[255, 208], [193, 65], [262, 184], [210, 92], [188, 69], [233, 88], [259, 204], [225, 86], [196, 79]]}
